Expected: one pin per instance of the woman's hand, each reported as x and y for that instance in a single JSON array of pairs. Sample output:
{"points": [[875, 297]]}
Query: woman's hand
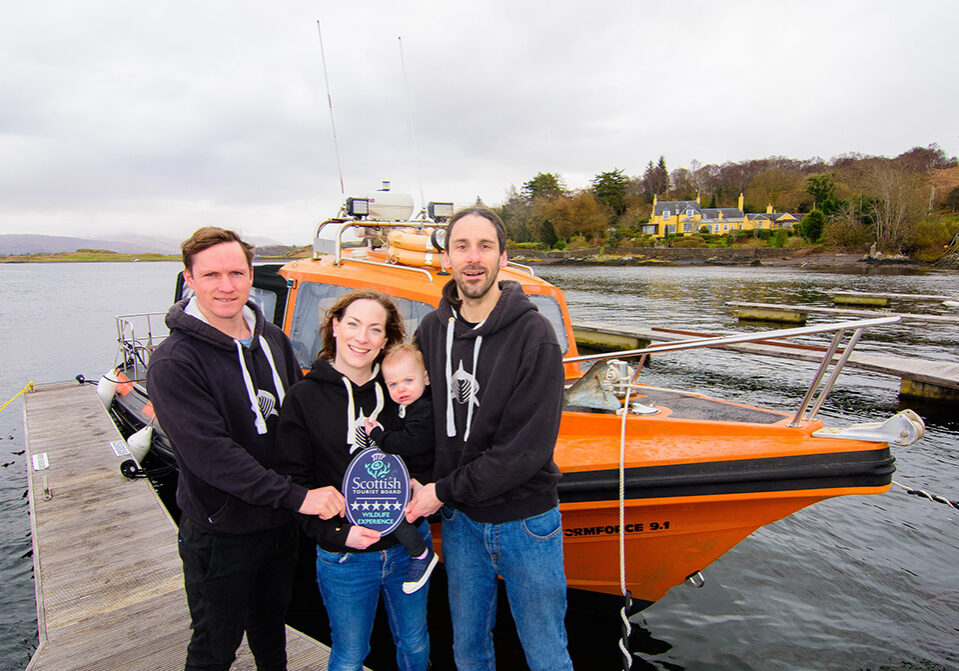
{"points": [[361, 538]]}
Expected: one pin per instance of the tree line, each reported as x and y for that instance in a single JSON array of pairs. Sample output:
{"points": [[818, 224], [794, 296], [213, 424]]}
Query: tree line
{"points": [[848, 201]]}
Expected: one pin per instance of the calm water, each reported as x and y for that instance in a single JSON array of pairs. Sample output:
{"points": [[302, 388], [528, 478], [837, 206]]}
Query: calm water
{"points": [[852, 583]]}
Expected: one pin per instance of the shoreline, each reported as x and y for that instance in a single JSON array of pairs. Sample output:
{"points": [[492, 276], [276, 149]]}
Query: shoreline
{"points": [[743, 258]]}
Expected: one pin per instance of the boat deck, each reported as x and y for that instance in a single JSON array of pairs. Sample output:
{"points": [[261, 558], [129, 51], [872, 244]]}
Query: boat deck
{"points": [[109, 586]]}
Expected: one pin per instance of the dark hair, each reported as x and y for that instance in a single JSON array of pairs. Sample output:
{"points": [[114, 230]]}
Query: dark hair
{"points": [[209, 236], [395, 331], [480, 211]]}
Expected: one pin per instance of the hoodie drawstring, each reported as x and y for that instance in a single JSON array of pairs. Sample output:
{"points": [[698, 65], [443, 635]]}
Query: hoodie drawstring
{"points": [[472, 399], [453, 386], [450, 392], [251, 392], [277, 384]]}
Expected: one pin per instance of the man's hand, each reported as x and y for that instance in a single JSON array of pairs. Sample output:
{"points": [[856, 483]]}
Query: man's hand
{"points": [[361, 538], [369, 425], [424, 503], [324, 502]]}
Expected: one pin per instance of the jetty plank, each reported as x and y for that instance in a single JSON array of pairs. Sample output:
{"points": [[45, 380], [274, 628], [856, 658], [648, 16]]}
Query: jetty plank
{"points": [[109, 584], [869, 294], [935, 319]]}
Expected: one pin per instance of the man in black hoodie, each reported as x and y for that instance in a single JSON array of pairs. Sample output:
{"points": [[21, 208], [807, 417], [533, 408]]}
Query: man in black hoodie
{"points": [[497, 377], [216, 384]]}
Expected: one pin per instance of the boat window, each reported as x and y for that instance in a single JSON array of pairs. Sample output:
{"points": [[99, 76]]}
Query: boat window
{"points": [[549, 308], [312, 302], [265, 300]]}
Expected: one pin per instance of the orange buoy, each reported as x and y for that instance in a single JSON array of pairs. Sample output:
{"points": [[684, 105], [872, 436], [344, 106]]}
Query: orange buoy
{"points": [[409, 257], [409, 239]]}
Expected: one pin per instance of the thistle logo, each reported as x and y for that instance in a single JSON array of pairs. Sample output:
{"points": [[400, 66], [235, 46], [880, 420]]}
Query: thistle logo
{"points": [[376, 487], [378, 469]]}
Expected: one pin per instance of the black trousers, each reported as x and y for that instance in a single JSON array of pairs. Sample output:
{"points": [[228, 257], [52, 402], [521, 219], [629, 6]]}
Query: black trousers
{"points": [[409, 537], [236, 584]]}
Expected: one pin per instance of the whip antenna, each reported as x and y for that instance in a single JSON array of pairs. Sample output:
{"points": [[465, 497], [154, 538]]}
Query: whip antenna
{"points": [[329, 100], [409, 116]]}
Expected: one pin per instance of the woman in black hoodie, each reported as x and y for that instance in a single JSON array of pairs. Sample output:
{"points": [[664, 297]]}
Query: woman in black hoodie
{"points": [[322, 425]]}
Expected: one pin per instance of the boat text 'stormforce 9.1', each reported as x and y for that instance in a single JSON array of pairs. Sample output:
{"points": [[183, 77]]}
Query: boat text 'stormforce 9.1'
{"points": [[676, 477]]}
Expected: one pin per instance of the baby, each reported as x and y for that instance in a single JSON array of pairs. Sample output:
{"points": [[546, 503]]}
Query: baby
{"points": [[407, 382]]}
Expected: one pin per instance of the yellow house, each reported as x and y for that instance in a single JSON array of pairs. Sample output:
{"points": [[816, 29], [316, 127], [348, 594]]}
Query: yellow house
{"points": [[685, 217]]}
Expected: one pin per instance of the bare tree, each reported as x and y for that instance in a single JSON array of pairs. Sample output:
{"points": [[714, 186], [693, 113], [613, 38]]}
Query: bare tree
{"points": [[897, 202], [581, 214]]}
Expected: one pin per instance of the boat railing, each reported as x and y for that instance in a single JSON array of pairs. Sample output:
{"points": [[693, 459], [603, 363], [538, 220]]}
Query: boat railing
{"points": [[371, 231], [821, 384], [137, 336]]}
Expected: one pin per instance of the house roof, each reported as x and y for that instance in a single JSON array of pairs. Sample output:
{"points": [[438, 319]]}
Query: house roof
{"points": [[729, 213], [677, 206]]}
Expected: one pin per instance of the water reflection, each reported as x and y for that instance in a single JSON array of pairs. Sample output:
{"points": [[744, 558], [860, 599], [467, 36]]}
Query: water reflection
{"points": [[850, 583]]}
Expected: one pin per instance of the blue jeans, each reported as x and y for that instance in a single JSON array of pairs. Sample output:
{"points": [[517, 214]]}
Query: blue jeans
{"points": [[528, 554], [350, 584]]}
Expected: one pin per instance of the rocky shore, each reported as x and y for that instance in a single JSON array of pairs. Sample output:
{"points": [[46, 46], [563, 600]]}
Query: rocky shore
{"points": [[802, 258]]}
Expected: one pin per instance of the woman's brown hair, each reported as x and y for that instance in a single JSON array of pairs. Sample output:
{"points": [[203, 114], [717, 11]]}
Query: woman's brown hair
{"points": [[395, 331]]}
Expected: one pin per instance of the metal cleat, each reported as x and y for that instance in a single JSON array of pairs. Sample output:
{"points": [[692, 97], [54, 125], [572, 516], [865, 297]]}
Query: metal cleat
{"points": [[903, 428]]}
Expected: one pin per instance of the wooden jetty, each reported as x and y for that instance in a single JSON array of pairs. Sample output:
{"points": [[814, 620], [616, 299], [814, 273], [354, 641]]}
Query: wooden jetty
{"points": [[840, 297], [798, 313], [919, 378], [109, 584]]}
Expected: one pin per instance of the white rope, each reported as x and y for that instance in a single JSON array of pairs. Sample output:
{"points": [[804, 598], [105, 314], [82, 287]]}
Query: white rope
{"points": [[624, 639], [927, 495]]}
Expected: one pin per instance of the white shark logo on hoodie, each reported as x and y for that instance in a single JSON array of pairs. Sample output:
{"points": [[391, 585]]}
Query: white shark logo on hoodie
{"points": [[463, 386], [357, 429], [267, 403]]}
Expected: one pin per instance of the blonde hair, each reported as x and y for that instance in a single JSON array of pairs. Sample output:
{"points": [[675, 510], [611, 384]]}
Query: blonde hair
{"points": [[399, 349]]}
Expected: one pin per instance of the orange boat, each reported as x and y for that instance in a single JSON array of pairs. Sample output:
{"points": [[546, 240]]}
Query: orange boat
{"points": [[650, 494]]}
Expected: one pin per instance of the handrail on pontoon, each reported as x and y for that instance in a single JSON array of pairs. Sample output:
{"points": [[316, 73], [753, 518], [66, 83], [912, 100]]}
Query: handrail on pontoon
{"points": [[134, 347], [858, 326]]}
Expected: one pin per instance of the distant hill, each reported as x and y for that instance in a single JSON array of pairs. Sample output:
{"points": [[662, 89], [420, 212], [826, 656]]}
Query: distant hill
{"points": [[15, 244], [25, 243]]}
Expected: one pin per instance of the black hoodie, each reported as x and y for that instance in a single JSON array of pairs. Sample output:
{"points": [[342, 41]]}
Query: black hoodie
{"points": [[321, 429], [222, 430], [497, 397]]}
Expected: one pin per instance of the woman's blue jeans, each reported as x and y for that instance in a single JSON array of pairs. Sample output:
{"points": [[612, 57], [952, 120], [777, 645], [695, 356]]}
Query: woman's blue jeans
{"points": [[528, 554], [350, 584]]}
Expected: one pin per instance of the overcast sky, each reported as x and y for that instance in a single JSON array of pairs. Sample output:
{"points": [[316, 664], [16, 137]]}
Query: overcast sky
{"points": [[161, 117]]}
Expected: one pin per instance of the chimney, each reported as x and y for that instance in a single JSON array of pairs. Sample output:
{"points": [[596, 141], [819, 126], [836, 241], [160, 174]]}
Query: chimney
{"points": [[740, 202]]}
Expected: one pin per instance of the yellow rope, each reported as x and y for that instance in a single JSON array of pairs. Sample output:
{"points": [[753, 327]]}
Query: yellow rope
{"points": [[26, 388]]}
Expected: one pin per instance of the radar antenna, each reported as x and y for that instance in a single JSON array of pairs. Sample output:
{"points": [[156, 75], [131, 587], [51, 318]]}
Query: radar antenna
{"points": [[329, 99]]}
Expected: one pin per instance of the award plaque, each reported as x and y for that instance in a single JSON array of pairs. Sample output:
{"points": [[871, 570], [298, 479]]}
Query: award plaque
{"points": [[376, 488]]}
